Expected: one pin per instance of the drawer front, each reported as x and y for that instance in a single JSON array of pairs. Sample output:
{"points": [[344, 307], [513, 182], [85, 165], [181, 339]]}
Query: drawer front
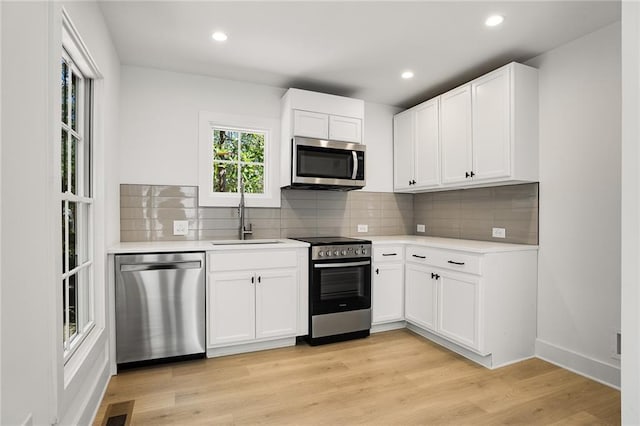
{"points": [[244, 260], [446, 259], [388, 253]]}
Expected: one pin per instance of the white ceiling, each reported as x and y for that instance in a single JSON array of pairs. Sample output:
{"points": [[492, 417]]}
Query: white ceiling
{"points": [[356, 48]]}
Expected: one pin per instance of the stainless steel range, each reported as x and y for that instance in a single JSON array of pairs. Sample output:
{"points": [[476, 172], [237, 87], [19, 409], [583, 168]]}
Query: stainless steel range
{"points": [[339, 289]]}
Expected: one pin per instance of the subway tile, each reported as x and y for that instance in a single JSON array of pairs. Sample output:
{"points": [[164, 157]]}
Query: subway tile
{"points": [[174, 202], [334, 222], [174, 214], [298, 222], [355, 196], [167, 224], [476, 229], [136, 224], [444, 232], [299, 204], [263, 213], [133, 190], [298, 194], [219, 224], [333, 213], [167, 235], [138, 202], [298, 213], [478, 213], [174, 191], [333, 231], [332, 205], [333, 196], [298, 232], [446, 196], [264, 224], [265, 233], [217, 234], [358, 214], [217, 212], [135, 213], [128, 236]]}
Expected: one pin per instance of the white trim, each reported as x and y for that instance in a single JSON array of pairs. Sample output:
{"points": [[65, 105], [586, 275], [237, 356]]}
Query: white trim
{"points": [[233, 349], [76, 48], [583, 365], [271, 127]]}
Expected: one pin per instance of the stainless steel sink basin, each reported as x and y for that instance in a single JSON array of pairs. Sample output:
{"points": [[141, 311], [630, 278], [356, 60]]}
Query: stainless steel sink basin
{"points": [[244, 242]]}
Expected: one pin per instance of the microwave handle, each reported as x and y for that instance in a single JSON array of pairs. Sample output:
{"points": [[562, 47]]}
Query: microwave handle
{"points": [[355, 165]]}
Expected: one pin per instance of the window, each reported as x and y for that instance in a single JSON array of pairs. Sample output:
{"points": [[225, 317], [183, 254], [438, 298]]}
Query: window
{"points": [[238, 146], [238, 152], [76, 204]]}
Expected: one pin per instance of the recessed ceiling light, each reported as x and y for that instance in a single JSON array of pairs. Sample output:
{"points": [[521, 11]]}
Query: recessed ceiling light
{"points": [[494, 20], [407, 75], [219, 36]]}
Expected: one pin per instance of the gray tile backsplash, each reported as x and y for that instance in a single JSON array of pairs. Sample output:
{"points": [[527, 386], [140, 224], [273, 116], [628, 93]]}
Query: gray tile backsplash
{"points": [[147, 213], [472, 213]]}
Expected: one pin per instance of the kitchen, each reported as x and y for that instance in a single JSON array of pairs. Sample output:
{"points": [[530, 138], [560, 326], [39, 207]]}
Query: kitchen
{"points": [[139, 150]]}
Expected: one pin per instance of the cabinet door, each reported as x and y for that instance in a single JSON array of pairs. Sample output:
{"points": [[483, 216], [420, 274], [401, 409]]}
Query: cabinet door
{"points": [[420, 296], [491, 125], [427, 144], [310, 124], [345, 129], [459, 309], [388, 292], [403, 150], [232, 307], [276, 303], [455, 134]]}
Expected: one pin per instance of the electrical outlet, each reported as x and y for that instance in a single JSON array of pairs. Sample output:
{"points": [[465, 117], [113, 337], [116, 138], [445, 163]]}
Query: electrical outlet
{"points": [[363, 228], [499, 233], [420, 228], [180, 227]]}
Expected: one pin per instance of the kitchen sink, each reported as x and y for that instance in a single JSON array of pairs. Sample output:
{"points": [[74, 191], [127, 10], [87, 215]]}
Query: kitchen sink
{"points": [[244, 242]]}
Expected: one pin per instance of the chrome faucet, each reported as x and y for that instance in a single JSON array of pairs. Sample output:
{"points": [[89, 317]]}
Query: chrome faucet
{"points": [[242, 228]]}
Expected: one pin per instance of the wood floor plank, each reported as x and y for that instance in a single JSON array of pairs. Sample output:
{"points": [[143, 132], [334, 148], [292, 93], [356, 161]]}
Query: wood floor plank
{"points": [[394, 377]]}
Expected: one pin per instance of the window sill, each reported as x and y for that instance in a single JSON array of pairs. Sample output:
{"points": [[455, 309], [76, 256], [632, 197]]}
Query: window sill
{"points": [[81, 354]]}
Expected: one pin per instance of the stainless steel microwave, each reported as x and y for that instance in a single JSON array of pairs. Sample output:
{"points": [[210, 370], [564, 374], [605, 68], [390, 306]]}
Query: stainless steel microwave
{"points": [[325, 164]]}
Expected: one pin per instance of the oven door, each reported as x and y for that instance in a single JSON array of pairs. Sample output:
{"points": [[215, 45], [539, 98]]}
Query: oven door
{"points": [[322, 162], [340, 285]]}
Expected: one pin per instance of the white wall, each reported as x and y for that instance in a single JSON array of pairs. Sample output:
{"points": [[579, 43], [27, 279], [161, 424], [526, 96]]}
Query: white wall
{"points": [[579, 258], [378, 133], [159, 124], [27, 268], [630, 213], [33, 385]]}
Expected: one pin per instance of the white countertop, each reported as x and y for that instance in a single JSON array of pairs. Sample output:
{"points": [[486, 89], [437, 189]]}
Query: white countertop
{"points": [[215, 245], [453, 243], [209, 245]]}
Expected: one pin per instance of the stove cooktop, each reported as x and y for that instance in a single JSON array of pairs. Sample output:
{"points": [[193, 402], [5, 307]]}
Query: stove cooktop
{"points": [[319, 241]]}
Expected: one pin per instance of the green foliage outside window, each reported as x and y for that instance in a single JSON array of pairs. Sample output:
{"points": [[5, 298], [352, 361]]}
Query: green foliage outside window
{"points": [[236, 153]]}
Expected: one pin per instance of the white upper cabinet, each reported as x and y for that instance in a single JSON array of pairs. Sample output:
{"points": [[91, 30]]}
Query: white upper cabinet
{"points": [[491, 125], [488, 133], [456, 135], [345, 129], [403, 158], [416, 135], [310, 124]]}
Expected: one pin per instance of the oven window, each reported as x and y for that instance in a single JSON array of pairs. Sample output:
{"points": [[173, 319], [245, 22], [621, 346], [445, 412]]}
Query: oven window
{"points": [[342, 283], [323, 162]]}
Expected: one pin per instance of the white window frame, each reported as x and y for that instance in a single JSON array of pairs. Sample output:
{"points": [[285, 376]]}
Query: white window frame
{"points": [[208, 121], [75, 51]]}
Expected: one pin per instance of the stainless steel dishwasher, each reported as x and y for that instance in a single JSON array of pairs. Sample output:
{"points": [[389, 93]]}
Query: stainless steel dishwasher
{"points": [[160, 306]]}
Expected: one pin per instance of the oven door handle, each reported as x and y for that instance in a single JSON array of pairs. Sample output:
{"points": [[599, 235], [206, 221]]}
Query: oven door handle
{"points": [[341, 265]]}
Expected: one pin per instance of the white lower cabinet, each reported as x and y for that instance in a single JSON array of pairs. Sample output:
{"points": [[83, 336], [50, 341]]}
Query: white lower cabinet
{"points": [[481, 305], [254, 297], [420, 296], [387, 298], [459, 313]]}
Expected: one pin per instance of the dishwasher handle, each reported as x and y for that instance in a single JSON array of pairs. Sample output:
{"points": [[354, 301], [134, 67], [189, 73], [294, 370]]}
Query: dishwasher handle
{"points": [[160, 266]]}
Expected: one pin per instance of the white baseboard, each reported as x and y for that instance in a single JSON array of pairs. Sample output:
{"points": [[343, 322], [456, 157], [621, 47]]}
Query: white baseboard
{"points": [[599, 371], [388, 326]]}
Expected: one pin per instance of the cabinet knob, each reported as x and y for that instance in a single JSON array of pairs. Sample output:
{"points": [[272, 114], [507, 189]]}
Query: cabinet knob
{"points": [[253, 280], [259, 279], [472, 174], [413, 182], [467, 175], [377, 271]]}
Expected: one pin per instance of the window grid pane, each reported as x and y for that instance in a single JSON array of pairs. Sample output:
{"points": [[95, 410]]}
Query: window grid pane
{"points": [[237, 152], [65, 90]]}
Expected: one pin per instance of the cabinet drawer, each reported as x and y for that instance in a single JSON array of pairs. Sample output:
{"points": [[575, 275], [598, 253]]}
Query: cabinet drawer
{"points": [[446, 259], [388, 253], [244, 260]]}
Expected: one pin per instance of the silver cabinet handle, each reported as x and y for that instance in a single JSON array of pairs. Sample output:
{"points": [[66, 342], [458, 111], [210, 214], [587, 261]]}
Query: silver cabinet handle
{"points": [[455, 263], [389, 254], [160, 266], [341, 265], [419, 257]]}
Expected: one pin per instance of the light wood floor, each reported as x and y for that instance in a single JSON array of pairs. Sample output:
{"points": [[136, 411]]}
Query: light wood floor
{"points": [[389, 378]]}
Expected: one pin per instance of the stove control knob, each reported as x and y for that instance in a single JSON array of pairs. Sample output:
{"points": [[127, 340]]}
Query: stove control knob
{"points": [[343, 252], [329, 253], [357, 251], [320, 254], [364, 251], [336, 252]]}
